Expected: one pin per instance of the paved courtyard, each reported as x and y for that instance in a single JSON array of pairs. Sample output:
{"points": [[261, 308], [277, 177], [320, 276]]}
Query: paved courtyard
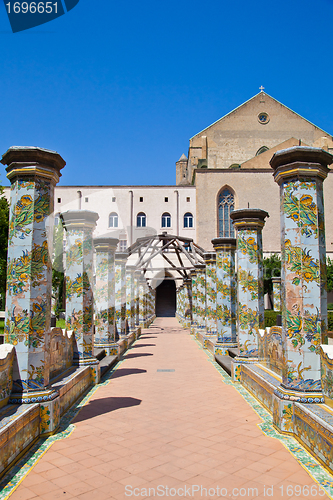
{"points": [[167, 425]]}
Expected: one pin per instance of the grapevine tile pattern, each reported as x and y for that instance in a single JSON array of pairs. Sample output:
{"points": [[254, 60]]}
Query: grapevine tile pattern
{"points": [[210, 261], [250, 285], [225, 290], [184, 303], [28, 274], [104, 294], [200, 288], [79, 281], [276, 294], [178, 425], [120, 262]]}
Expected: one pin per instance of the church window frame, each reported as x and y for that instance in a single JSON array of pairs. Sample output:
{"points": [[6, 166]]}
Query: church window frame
{"points": [[141, 220], [261, 150], [166, 220], [113, 219], [263, 118], [225, 205], [188, 221]]}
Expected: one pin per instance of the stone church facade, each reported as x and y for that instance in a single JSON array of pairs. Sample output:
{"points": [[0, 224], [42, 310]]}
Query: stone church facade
{"points": [[228, 163]]}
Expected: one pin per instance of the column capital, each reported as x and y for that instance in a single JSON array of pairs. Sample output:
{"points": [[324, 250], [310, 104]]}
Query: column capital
{"points": [[199, 267], [249, 218], [121, 256], [209, 257], [224, 243], [32, 161], [131, 269], [80, 219], [105, 243], [300, 161]]}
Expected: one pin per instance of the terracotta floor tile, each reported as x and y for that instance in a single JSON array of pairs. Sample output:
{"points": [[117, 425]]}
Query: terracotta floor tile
{"points": [[57, 495], [78, 488], [35, 478], [23, 494], [52, 473], [43, 488], [189, 429]]}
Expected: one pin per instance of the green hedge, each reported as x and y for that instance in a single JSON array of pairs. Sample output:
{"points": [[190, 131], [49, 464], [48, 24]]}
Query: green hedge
{"points": [[270, 317], [330, 321]]}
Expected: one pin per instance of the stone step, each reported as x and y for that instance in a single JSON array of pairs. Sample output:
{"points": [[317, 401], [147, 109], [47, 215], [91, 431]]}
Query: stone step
{"points": [[99, 353], [107, 363], [224, 362]]}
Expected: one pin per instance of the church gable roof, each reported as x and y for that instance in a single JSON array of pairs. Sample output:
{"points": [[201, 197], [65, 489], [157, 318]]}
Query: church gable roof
{"points": [[264, 99], [261, 161]]}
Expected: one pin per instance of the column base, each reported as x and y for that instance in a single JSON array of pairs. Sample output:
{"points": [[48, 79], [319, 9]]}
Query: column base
{"points": [[49, 417], [111, 348], [313, 397], [284, 401], [94, 365], [221, 348], [32, 397], [236, 366]]}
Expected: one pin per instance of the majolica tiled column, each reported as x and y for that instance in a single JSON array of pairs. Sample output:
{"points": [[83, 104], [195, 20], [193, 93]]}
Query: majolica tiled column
{"points": [[210, 319], [104, 295], [187, 287], [151, 301], [120, 266], [276, 294], [33, 173], [137, 276], [194, 322], [130, 297], [300, 172], [179, 301], [226, 293], [79, 225], [142, 301], [200, 296], [250, 287]]}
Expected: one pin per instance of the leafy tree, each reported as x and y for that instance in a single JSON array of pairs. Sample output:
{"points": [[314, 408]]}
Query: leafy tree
{"points": [[329, 265], [58, 275], [4, 225], [272, 269]]}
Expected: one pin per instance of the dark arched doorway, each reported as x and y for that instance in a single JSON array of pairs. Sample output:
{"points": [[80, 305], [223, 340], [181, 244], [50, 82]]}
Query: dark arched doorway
{"points": [[166, 298]]}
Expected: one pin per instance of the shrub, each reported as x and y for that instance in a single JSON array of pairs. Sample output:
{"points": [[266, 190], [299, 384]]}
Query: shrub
{"points": [[270, 317]]}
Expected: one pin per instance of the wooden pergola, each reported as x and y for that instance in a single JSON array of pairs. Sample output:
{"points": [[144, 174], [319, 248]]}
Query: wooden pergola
{"points": [[179, 255]]}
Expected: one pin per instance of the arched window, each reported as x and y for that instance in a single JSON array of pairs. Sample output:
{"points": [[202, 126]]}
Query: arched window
{"points": [[141, 220], [261, 150], [166, 220], [188, 219], [226, 205], [113, 219]]}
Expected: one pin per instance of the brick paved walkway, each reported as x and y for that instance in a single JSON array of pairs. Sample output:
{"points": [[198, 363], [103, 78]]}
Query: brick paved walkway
{"points": [[150, 428]]}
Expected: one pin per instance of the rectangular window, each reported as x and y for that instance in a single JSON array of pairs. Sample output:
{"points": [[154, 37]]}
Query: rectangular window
{"points": [[188, 199], [59, 200], [113, 199], [122, 245], [141, 199], [166, 199], [86, 200]]}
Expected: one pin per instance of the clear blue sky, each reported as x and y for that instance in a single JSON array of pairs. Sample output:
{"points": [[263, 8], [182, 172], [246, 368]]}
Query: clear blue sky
{"points": [[118, 88]]}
